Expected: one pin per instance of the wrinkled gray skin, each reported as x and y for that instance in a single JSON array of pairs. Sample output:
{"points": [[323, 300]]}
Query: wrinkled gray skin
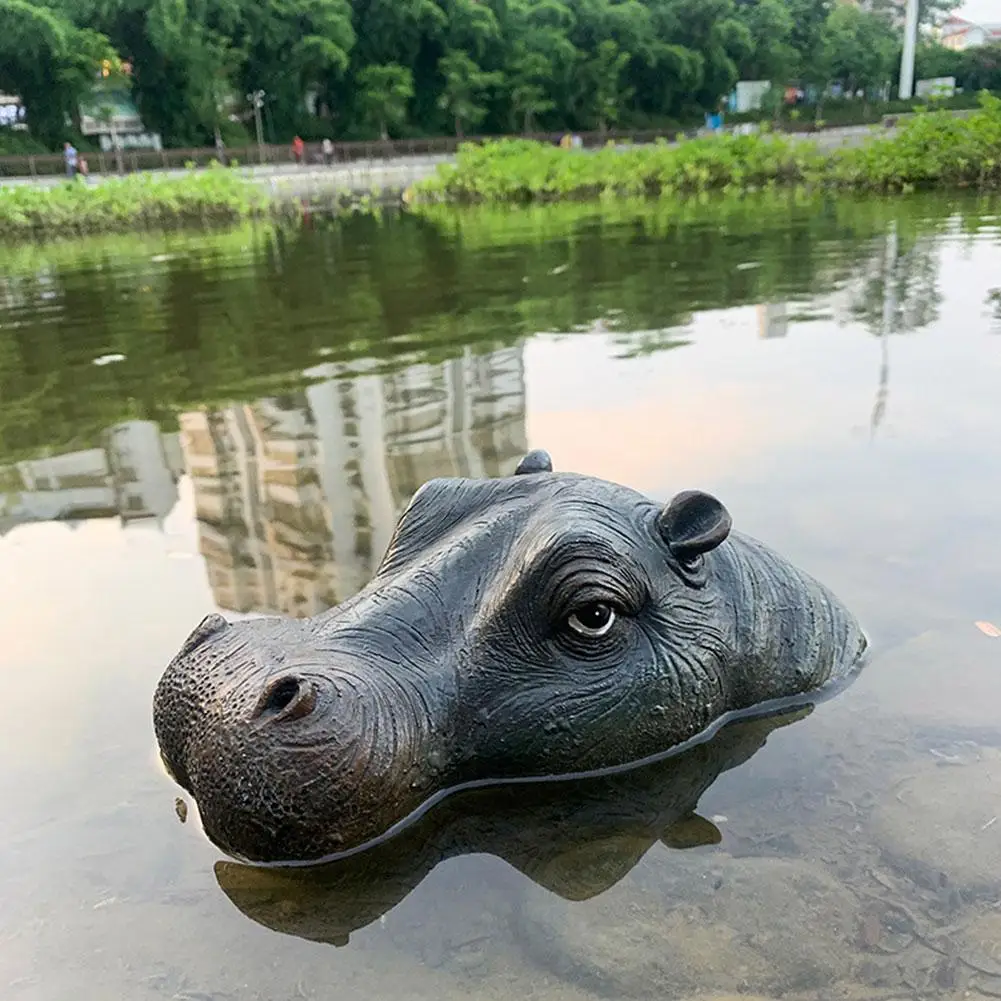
{"points": [[484, 649]]}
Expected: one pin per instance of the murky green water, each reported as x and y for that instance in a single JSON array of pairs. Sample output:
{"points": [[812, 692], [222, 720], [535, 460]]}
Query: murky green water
{"points": [[234, 422]]}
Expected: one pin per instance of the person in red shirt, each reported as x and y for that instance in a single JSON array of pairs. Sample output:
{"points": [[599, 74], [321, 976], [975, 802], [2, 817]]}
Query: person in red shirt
{"points": [[298, 147]]}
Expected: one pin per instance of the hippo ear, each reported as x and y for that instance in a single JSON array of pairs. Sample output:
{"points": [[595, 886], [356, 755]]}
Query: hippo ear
{"points": [[209, 626], [692, 524], [538, 461]]}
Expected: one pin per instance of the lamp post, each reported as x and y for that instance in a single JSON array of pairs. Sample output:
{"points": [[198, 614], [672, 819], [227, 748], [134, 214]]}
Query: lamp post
{"points": [[910, 47], [256, 99]]}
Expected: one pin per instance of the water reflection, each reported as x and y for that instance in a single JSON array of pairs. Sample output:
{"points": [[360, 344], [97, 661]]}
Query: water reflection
{"points": [[280, 394], [131, 475], [242, 315], [297, 495], [575, 839]]}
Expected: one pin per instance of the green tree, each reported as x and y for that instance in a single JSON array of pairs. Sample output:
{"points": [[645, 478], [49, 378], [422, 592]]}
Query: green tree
{"points": [[930, 12], [452, 64], [860, 49], [50, 62], [771, 55], [529, 76], [540, 62], [934, 60], [295, 49], [981, 68], [700, 43], [809, 20], [603, 76], [465, 86], [385, 93]]}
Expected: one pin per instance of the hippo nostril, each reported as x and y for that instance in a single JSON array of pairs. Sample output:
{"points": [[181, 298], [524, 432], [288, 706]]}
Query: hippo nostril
{"points": [[287, 698]]}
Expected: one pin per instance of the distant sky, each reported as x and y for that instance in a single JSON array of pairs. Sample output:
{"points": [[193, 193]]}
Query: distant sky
{"points": [[981, 10]]}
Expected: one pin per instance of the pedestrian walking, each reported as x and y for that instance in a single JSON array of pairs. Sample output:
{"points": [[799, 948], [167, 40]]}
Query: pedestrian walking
{"points": [[298, 148], [70, 156]]}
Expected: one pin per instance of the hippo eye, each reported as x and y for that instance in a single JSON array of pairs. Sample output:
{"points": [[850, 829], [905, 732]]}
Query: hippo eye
{"points": [[592, 620]]}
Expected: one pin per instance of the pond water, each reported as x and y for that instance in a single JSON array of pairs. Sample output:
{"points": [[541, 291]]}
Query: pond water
{"points": [[232, 422]]}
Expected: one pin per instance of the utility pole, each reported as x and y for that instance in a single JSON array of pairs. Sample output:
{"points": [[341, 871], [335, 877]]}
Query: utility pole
{"points": [[256, 100], [910, 47]]}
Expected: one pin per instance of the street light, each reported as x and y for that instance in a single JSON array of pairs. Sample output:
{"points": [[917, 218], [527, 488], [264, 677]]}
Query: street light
{"points": [[256, 99], [910, 47]]}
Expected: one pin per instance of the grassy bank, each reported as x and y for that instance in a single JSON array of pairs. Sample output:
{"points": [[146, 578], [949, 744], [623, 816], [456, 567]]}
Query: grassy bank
{"points": [[138, 201], [930, 150], [933, 149]]}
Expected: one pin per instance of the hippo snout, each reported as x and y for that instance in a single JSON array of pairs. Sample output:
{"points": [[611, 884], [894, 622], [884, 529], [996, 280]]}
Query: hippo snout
{"points": [[540, 625], [269, 722]]}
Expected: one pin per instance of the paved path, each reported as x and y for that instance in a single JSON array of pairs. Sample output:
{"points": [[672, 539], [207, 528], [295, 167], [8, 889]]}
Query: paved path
{"points": [[361, 175]]}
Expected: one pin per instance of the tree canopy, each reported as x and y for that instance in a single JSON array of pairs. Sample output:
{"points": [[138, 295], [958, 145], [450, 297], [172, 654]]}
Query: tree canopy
{"points": [[355, 69]]}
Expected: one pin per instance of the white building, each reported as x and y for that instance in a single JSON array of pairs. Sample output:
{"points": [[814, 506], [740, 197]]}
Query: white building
{"points": [[959, 34]]}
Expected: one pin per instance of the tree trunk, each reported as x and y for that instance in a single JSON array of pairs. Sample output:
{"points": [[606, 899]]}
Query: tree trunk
{"points": [[118, 150], [383, 132], [458, 126]]}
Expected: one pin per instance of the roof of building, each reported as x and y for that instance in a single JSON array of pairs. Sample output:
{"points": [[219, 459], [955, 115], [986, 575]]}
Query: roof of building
{"points": [[956, 25]]}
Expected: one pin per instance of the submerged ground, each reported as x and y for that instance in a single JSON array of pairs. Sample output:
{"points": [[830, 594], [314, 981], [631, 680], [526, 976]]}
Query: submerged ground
{"points": [[190, 423]]}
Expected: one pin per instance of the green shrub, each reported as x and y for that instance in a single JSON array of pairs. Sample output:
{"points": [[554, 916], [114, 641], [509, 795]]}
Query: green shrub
{"points": [[933, 148], [133, 202], [523, 170]]}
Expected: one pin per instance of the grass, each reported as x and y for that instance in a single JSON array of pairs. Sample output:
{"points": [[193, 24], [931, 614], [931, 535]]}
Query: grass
{"points": [[138, 201], [932, 149]]}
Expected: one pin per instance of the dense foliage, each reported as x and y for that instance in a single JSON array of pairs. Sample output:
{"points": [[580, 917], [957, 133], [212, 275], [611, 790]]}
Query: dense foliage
{"points": [[133, 202], [360, 68], [523, 170], [933, 150], [930, 149]]}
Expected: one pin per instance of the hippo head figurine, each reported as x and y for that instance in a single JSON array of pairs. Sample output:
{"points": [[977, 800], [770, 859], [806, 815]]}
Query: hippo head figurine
{"points": [[539, 625]]}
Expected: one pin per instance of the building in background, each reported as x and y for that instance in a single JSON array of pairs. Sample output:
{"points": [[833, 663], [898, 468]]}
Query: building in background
{"points": [[109, 113], [958, 34], [297, 496], [12, 113]]}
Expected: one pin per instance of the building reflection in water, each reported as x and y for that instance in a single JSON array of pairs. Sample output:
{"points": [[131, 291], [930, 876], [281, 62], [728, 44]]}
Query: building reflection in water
{"points": [[297, 496], [132, 474]]}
